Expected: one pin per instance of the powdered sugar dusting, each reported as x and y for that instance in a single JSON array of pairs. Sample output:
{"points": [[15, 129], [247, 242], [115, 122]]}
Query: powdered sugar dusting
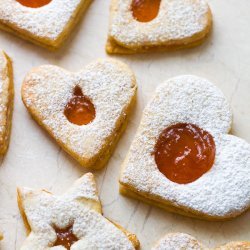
{"points": [[45, 211], [4, 95], [221, 192], [178, 241], [176, 20], [108, 83], [48, 21]]}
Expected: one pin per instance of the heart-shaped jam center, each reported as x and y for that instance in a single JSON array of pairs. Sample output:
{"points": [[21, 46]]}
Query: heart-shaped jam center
{"points": [[79, 110], [34, 3], [184, 152], [145, 10], [65, 237]]}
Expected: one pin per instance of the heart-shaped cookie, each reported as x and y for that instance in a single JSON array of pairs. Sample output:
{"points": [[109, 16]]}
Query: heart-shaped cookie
{"points": [[144, 25], [180, 241], [6, 101], [44, 22], [85, 112], [70, 221], [182, 158]]}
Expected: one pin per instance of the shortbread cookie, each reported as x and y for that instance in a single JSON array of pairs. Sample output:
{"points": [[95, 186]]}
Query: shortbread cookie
{"points": [[181, 241], [143, 25], [244, 245], [85, 112], [44, 22], [6, 101], [178, 241], [71, 221], [182, 158]]}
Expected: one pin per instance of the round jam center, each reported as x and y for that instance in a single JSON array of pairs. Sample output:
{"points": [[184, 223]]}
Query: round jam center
{"points": [[79, 110], [184, 152], [34, 3], [65, 237], [145, 10]]}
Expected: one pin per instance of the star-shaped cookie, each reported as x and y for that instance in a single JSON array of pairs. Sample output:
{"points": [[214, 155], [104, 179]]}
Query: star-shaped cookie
{"points": [[85, 112], [45, 22], [183, 159], [180, 241], [71, 221], [6, 101], [142, 25]]}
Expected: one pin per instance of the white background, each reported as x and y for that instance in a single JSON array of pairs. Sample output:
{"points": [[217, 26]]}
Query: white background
{"points": [[34, 160]]}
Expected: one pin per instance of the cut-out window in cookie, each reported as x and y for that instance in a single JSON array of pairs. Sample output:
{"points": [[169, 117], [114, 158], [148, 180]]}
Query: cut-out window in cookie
{"points": [[180, 241], [79, 110], [184, 152], [183, 159], [44, 22], [145, 10], [34, 3], [85, 112], [65, 237], [143, 25], [49, 220]]}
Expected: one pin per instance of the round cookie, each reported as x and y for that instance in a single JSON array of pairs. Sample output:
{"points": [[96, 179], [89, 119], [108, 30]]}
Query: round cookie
{"points": [[182, 241], [178, 241]]}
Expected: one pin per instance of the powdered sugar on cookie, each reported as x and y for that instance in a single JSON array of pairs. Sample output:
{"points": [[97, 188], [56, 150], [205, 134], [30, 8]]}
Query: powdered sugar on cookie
{"points": [[4, 78], [222, 192], [176, 20], [178, 241], [4, 81], [182, 241], [109, 84], [6, 101], [45, 212], [48, 21]]}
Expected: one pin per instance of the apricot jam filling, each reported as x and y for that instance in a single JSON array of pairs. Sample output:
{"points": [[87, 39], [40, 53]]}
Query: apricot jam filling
{"points": [[184, 152], [79, 110], [65, 237], [34, 3], [145, 10]]}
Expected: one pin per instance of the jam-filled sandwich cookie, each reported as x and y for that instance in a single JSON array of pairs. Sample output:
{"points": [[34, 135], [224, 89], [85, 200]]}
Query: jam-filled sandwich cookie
{"points": [[6, 101], [44, 22], [71, 221], [85, 112], [183, 159], [180, 241], [144, 25]]}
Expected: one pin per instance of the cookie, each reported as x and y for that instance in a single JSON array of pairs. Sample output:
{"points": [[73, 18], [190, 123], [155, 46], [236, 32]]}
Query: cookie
{"points": [[244, 245], [138, 26], [6, 101], [85, 112], [183, 159], [44, 22], [180, 241], [71, 221], [1, 236]]}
